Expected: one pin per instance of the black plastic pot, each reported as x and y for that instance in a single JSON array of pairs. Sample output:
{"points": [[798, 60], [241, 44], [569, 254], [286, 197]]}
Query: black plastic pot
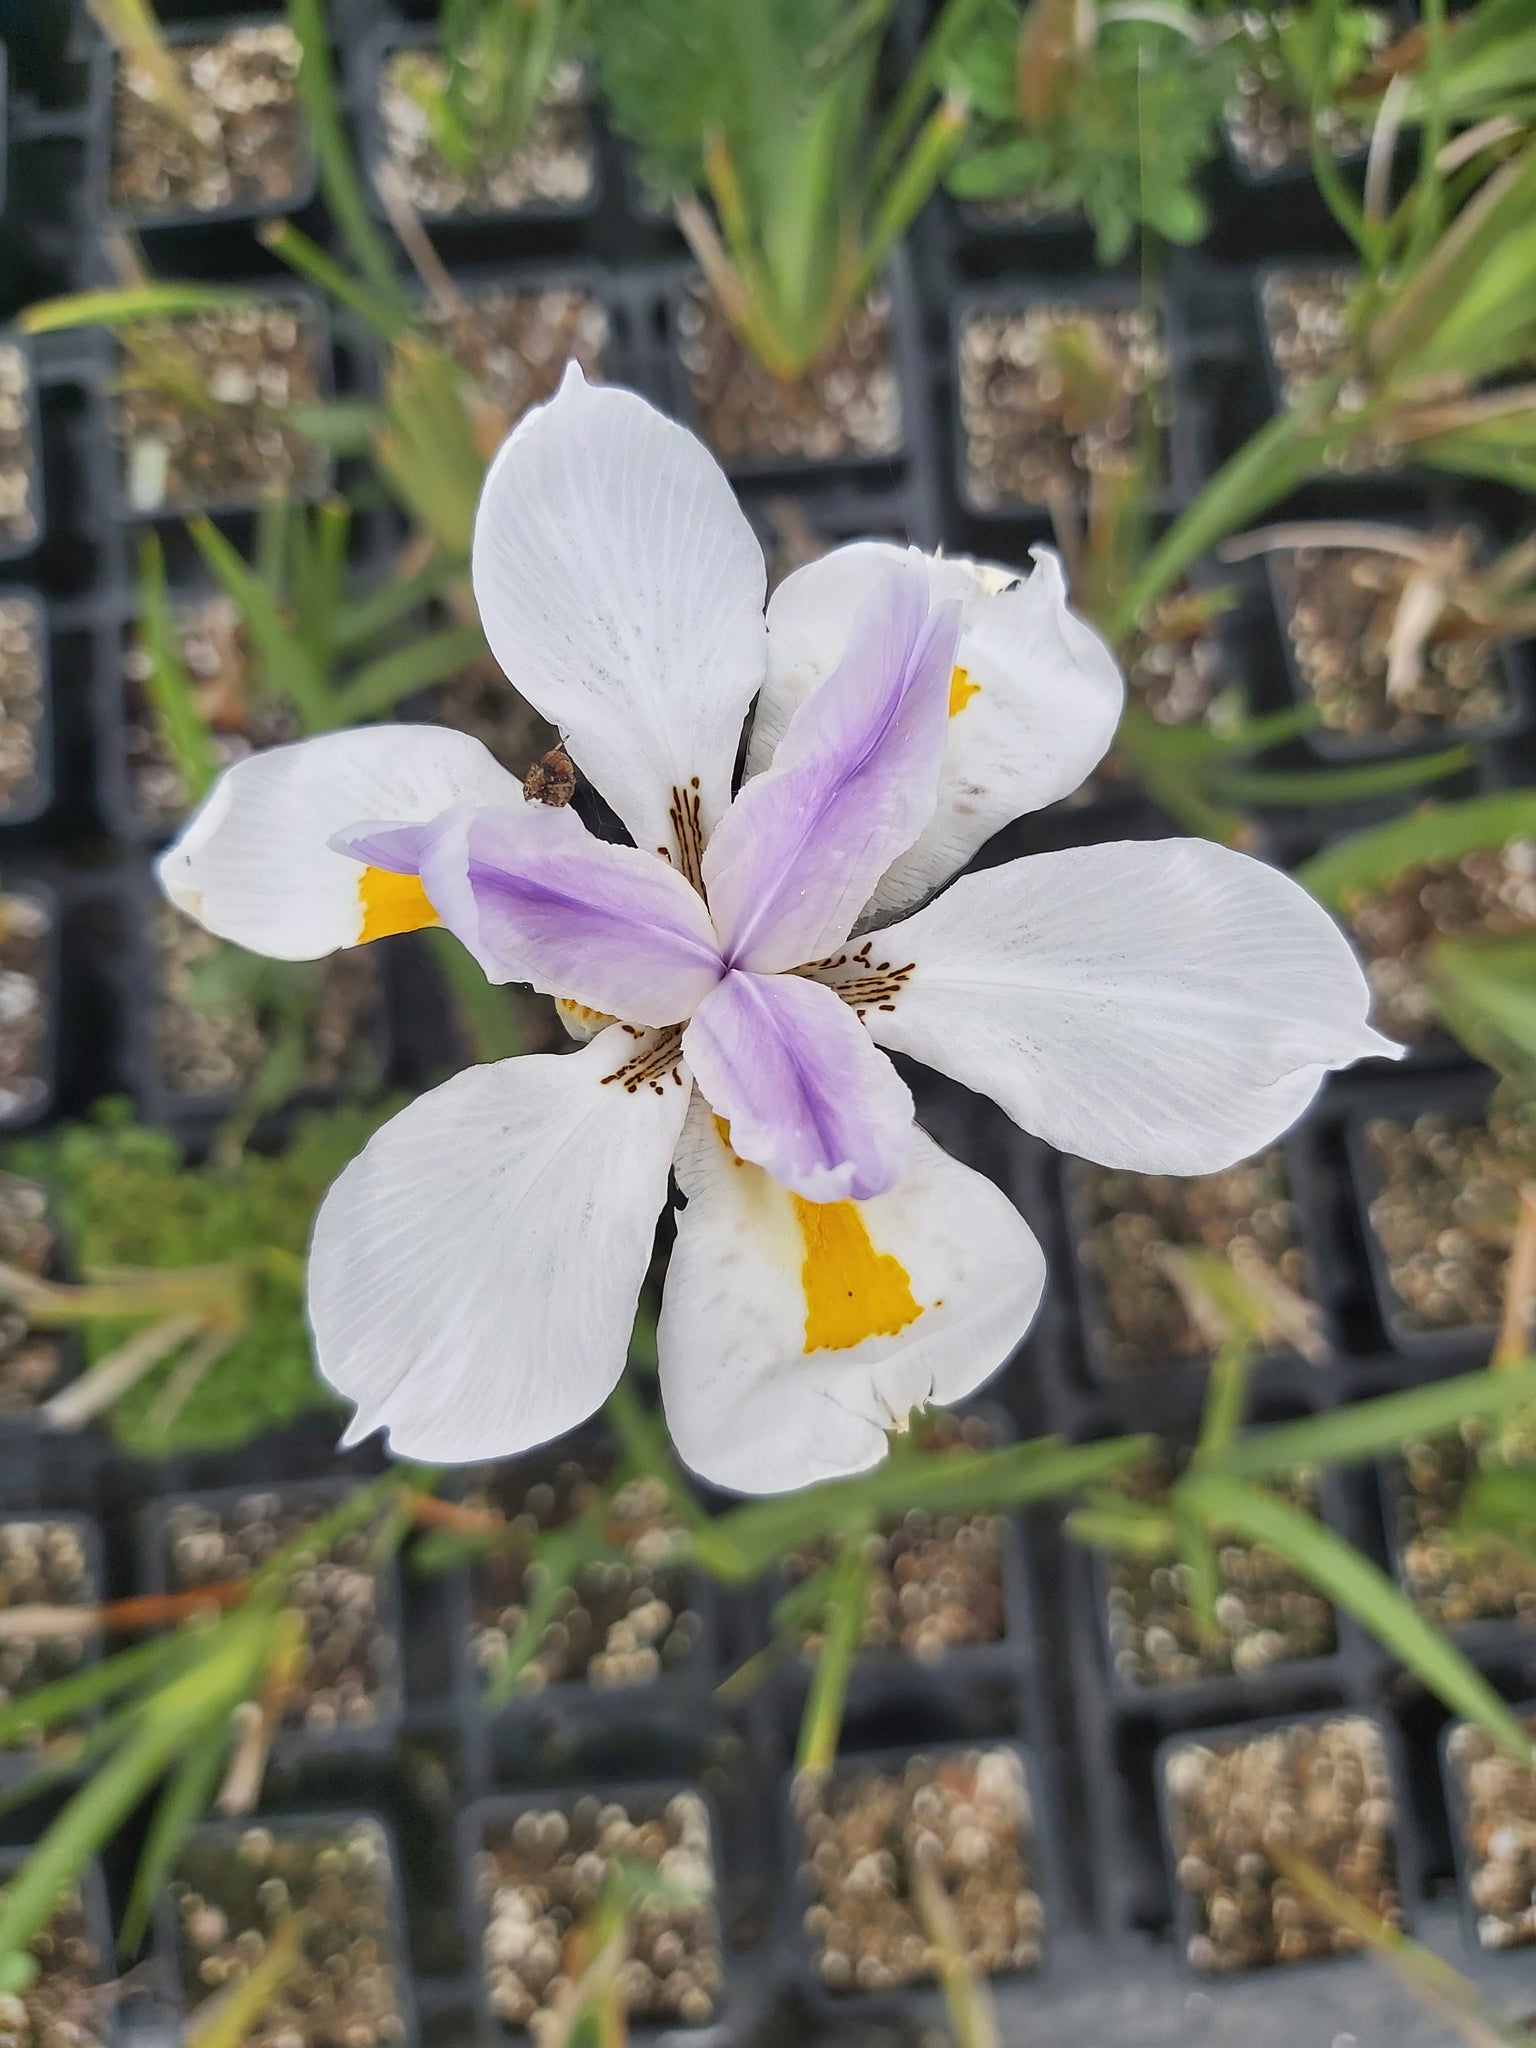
{"points": [[18, 1763], [214, 1842], [296, 1745], [1463, 1095], [639, 1802], [909, 367], [1404, 1835], [922, 2003], [186, 240], [1510, 657], [539, 227], [1178, 432], [24, 543], [33, 797], [36, 1107]]}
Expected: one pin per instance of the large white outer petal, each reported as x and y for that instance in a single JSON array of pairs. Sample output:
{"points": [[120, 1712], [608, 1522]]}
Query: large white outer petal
{"points": [[254, 863], [621, 588], [1041, 698], [748, 1407], [474, 1272], [1168, 1006]]}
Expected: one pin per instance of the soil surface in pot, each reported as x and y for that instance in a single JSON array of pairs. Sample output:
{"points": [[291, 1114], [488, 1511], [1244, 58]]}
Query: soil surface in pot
{"points": [[1268, 124], [1456, 1582], [22, 658], [1498, 1835], [209, 1035], [350, 1671], [214, 651], [1489, 893], [43, 1564], [233, 1892], [936, 1580], [516, 344], [65, 2005], [1128, 1223], [1049, 394], [862, 1838], [1178, 672], [1326, 1788], [1266, 1613], [537, 1879], [31, 1361], [624, 1621], [1338, 607], [1306, 320], [556, 164], [26, 993], [846, 406], [1446, 1207], [203, 408], [792, 538], [18, 455], [244, 145]]}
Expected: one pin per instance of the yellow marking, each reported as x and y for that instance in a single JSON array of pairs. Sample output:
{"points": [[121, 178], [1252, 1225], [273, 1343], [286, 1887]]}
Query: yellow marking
{"points": [[961, 691], [851, 1290], [392, 903]]}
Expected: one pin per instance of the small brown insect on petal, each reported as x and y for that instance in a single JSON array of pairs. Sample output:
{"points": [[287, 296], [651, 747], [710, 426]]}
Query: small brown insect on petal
{"points": [[551, 779]]}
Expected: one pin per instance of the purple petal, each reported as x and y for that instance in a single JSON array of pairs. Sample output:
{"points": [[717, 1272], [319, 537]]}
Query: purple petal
{"points": [[397, 849], [854, 780], [536, 898], [807, 1096]]}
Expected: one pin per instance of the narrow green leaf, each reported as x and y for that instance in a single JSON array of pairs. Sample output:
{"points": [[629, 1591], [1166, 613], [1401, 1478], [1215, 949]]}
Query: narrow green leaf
{"points": [[359, 620], [67, 1698], [338, 176], [1376, 1428], [846, 1599], [192, 1785], [1371, 859], [291, 669], [1337, 785], [126, 305], [381, 684], [170, 689]]}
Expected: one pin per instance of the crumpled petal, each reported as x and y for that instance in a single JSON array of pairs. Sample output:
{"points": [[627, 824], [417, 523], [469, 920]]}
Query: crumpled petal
{"points": [[807, 1095], [536, 898], [621, 588], [255, 863], [474, 1271], [1166, 1006], [852, 784], [793, 1337], [1035, 701]]}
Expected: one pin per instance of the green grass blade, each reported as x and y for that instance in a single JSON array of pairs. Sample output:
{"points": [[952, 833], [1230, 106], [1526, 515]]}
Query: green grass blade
{"points": [[338, 174], [68, 1697], [1376, 1428], [1352, 1582], [380, 685], [1337, 785], [291, 670], [1371, 859], [170, 689], [126, 305], [192, 1785], [362, 619]]}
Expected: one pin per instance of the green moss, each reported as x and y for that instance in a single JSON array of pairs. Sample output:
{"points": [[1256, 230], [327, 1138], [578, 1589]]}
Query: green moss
{"points": [[124, 1197]]}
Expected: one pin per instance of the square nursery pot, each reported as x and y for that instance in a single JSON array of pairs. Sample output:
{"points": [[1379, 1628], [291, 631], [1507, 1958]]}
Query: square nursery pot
{"points": [[542, 1834], [1428, 1319], [989, 237], [186, 1066], [546, 199], [796, 530], [1491, 1801], [1199, 1781], [213, 1915], [1272, 1203], [247, 353], [859, 412], [30, 998], [22, 512], [34, 1364], [71, 2000], [352, 1700], [1478, 693], [952, 1780], [629, 1667], [188, 225], [1011, 451], [951, 1658], [46, 1559], [26, 708]]}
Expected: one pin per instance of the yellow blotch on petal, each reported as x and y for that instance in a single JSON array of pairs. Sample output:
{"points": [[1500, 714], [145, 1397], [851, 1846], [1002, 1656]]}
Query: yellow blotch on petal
{"points": [[392, 903], [851, 1290], [961, 691]]}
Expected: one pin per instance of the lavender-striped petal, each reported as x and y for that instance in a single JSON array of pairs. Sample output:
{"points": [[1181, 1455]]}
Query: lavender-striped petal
{"points": [[806, 1094], [853, 783]]}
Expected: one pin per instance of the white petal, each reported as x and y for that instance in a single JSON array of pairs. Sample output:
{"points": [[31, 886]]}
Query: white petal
{"points": [[254, 863], [1168, 1006], [621, 588], [793, 1337], [474, 1272], [1033, 713]]}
